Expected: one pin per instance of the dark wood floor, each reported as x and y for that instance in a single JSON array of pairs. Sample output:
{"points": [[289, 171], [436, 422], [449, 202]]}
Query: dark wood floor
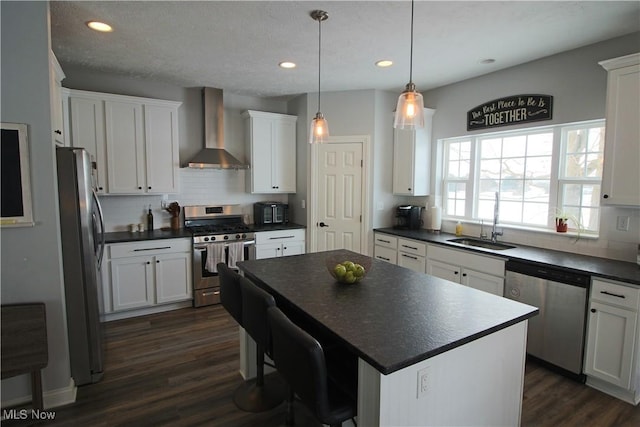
{"points": [[180, 368]]}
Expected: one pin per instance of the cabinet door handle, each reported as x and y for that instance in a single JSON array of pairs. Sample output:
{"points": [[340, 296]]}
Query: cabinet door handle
{"points": [[58, 132], [381, 257], [464, 274], [281, 237], [148, 262], [409, 189], [612, 294], [606, 196], [149, 188], [384, 241], [409, 256], [455, 272], [157, 261], [152, 249], [139, 188], [593, 310]]}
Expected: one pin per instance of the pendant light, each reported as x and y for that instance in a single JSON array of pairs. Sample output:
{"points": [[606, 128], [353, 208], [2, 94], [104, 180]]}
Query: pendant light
{"points": [[410, 108], [319, 126]]}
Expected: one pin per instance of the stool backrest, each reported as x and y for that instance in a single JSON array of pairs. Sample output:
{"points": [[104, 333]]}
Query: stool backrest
{"points": [[255, 302], [300, 360], [230, 291]]}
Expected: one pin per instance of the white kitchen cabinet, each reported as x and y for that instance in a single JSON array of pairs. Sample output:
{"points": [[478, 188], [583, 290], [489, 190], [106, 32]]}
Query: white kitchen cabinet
{"points": [[87, 131], [147, 273], [386, 247], [133, 141], [56, 75], [612, 339], [412, 254], [411, 159], [277, 243], [271, 144], [621, 173], [485, 273]]}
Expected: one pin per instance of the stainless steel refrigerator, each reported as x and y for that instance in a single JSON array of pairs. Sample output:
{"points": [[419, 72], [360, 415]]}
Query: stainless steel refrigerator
{"points": [[82, 230]]}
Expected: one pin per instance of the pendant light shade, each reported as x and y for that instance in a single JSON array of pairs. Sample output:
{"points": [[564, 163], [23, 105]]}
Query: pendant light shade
{"points": [[319, 127], [410, 108]]}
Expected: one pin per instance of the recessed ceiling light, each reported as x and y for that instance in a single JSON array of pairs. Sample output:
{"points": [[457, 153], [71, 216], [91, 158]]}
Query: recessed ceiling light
{"points": [[383, 63], [488, 61], [287, 64], [99, 26]]}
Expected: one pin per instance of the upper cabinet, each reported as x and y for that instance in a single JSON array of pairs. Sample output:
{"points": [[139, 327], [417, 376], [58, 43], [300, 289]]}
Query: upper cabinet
{"points": [[56, 75], [133, 141], [622, 147], [271, 144], [412, 159]]}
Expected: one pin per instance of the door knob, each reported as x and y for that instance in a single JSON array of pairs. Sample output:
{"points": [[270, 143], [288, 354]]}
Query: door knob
{"points": [[322, 224]]}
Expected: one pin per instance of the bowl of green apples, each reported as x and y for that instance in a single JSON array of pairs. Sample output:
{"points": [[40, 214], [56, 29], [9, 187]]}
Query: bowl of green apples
{"points": [[348, 269]]}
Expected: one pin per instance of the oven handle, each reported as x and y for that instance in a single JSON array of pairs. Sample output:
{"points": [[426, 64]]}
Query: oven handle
{"points": [[202, 246]]}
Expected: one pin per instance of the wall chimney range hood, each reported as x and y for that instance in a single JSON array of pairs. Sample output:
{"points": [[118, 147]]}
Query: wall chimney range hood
{"points": [[214, 156]]}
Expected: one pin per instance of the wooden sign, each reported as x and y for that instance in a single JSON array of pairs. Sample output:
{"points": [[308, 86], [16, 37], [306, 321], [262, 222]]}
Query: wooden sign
{"points": [[512, 110]]}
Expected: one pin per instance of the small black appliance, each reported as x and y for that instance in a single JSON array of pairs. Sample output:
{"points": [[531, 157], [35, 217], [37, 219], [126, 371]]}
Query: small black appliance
{"points": [[268, 213], [408, 217]]}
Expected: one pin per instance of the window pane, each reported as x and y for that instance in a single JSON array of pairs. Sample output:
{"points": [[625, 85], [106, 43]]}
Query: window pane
{"points": [[536, 191], [491, 148], [574, 165], [514, 146], [485, 209], [572, 194], [590, 218], [540, 145], [513, 168], [511, 211], [536, 213], [594, 165], [490, 169], [538, 167], [511, 189], [487, 189], [596, 140]]}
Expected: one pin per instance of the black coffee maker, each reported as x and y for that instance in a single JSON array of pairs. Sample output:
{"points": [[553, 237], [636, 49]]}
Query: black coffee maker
{"points": [[408, 217]]}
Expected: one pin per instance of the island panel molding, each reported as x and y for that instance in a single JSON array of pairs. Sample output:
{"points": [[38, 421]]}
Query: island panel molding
{"points": [[511, 110]]}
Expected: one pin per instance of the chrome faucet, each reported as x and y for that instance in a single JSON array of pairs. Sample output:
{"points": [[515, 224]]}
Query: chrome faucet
{"points": [[494, 232]]}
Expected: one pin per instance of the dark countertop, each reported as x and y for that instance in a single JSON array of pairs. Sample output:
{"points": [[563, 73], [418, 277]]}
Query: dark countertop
{"points": [[127, 236], [602, 267], [394, 317]]}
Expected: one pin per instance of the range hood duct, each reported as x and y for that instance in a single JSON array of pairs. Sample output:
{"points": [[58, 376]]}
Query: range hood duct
{"points": [[214, 156]]}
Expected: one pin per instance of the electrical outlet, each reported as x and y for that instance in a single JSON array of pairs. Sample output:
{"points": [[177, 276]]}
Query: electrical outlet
{"points": [[423, 382], [623, 223]]}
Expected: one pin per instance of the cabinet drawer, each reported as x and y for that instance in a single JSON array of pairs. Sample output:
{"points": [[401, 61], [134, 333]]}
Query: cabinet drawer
{"points": [[614, 293], [482, 263], [413, 262], [263, 237], [385, 254], [412, 247], [386, 241], [148, 247]]}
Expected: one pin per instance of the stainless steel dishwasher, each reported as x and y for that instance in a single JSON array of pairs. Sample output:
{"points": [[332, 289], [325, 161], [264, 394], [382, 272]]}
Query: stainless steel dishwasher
{"points": [[556, 335]]}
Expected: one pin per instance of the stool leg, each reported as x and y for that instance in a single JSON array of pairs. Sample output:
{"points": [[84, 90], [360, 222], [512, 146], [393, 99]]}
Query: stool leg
{"points": [[290, 419], [260, 366], [36, 390]]}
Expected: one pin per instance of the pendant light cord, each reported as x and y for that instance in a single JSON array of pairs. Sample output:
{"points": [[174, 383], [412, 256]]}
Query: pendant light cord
{"points": [[319, 58], [411, 51]]}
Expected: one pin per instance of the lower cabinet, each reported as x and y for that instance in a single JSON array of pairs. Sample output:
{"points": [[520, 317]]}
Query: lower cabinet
{"points": [[277, 243], [480, 272], [612, 350], [145, 274]]}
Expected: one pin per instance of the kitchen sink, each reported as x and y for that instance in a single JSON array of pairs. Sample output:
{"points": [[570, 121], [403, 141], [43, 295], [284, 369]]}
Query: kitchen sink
{"points": [[486, 244]]}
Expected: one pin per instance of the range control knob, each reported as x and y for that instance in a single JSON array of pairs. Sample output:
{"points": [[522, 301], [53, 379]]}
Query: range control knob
{"points": [[226, 237], [206, 239], [237, 236], [244, 236]]}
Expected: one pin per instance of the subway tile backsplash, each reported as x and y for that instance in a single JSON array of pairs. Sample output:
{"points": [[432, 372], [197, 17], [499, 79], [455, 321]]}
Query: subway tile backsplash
{"points": [[197, 187]]}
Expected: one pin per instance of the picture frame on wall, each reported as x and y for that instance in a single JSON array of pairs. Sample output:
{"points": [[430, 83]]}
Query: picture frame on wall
{"points": [[16, 207]]}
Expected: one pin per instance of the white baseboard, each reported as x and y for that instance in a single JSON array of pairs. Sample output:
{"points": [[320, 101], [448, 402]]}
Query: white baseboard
{"points": [[51, 398]]}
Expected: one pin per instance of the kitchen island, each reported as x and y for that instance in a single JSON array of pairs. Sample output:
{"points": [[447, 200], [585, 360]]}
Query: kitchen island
{"points": [[430, 352]]}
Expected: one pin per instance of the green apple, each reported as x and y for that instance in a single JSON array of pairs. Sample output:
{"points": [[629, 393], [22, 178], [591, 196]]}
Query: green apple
{"points": [[358, 271], [349, 265], [339, 270], [349, 277]]}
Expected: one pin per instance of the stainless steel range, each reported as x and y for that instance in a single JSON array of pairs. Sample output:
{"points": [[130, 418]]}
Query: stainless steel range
{"points": [[219, 235]]}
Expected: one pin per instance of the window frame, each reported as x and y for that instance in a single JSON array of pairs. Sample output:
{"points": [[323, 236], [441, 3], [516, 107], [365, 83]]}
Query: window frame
{"points": [[556, 179]]}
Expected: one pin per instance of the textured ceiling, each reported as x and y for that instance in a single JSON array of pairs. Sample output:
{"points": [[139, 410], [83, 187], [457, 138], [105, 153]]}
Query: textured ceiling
{"points": [[237, 45]]}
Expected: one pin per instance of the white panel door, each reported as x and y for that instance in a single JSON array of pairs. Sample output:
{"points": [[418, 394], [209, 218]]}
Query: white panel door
{"points": [[125, 147], [443, 270], [339, 196], [131, 283], [172, 277], [87, 131]]}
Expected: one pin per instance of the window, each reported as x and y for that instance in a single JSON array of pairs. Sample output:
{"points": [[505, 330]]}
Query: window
{"points": [[537, 173]]}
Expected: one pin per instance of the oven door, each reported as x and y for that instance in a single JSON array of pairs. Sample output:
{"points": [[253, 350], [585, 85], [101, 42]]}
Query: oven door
{"points": [[206, 287]]}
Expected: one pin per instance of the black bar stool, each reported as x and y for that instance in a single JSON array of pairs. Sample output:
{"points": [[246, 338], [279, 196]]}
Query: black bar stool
{"points": [[258, 394], [301, 360], [265, 392]]}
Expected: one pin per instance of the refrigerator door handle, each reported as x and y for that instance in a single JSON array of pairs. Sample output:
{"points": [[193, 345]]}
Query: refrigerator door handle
{"points": [[100, 218]]}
